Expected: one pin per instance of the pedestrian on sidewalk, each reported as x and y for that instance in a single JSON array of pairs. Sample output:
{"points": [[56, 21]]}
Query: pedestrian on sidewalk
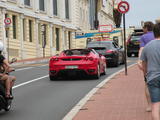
{"points": [[145, 39], [150, 57]]}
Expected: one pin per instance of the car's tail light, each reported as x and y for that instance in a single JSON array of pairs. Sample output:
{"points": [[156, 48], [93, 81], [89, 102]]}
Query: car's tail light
{"points": [[110, 51], [88, 58], [54, 59]]}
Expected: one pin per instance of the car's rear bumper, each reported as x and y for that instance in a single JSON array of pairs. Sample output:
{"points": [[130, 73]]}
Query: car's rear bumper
{"points": [[111, 58], [57, 70], [132, 49]]}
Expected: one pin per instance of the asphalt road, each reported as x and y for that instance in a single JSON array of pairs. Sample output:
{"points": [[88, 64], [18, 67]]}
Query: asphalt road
{"points": [[38, 98]]}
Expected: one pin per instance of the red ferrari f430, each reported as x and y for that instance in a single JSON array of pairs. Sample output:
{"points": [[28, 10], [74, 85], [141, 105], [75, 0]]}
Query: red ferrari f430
{"points": [[79, 61]]}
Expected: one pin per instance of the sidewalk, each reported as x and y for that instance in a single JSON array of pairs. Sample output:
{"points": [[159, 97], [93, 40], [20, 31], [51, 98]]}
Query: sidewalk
{"points": [[122, 98]]}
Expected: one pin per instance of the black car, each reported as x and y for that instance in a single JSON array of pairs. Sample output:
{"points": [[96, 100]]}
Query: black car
{"points": [[133, 43], [114, 54]]}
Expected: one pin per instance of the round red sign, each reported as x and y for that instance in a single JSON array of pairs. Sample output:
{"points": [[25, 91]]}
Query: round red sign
{"points": [[7, 21], [123, 7]]}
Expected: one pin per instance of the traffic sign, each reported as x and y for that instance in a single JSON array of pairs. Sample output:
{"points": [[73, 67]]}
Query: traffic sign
{"points": [[123, 7], [105, 28], [7, 21]]}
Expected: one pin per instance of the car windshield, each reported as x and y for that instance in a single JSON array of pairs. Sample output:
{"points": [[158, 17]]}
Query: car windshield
{"points": [[100, 49], [135, 38], [77, 52]]}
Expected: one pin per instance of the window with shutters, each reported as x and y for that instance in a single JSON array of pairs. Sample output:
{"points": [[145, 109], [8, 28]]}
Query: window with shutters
{"points": [[27, 2], [41, 5], [55, 7], [67, 9]]}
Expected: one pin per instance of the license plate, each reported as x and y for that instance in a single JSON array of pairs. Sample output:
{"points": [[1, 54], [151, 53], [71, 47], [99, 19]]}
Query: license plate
{"points": [[71, 67]]}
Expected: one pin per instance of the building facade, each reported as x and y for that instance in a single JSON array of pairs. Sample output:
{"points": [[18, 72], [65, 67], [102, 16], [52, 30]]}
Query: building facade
{"points": [[100, 12], [157, 20], [105, 13], [39, 27]]}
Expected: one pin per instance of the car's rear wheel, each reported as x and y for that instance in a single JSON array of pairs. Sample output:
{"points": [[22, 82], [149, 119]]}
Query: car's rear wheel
{"points": [[97, 76], [129, 54], [52, 78], [116, 63], [136, 54]]}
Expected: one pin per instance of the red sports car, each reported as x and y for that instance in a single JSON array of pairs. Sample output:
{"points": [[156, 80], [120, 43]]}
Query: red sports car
{"points": [[86, 61]]}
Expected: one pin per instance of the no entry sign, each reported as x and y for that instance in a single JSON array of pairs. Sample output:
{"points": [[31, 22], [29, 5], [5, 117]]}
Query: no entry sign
{"points": [[7, 21], [123, 7]]}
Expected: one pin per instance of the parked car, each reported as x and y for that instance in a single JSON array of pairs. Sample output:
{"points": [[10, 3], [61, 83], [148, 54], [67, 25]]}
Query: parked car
{"points": [[133, 43], [77, 61], [113, 54]]}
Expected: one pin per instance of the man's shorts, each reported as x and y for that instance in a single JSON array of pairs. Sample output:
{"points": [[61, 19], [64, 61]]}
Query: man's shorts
{"points": [[154, 89]]}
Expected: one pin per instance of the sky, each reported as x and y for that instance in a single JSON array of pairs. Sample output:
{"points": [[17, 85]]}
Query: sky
{"points": [[142, 10]]}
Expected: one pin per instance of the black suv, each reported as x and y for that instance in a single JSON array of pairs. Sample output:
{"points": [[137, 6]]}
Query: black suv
{"points": [[133, 43]]}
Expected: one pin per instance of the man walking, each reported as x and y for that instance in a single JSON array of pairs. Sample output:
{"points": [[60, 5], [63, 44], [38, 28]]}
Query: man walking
{"points": [[148, 35], [145, 39], [150, 57]]}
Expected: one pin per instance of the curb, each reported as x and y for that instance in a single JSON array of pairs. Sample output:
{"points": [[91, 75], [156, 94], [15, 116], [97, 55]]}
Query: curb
{"points": [[84, 100]]}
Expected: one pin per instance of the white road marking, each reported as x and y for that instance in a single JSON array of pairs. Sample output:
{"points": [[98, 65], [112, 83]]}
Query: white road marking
{"points": [[24, 68], [43, 65], [29, 68], [84, 100], [28, 82]]}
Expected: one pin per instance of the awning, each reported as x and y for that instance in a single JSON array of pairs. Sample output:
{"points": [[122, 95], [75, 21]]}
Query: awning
{"points": [[87, 35]]}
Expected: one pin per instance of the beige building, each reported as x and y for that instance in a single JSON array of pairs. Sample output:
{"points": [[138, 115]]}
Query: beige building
{"points": [[81, 20], [105, 13], [158, 20], [97, 12], [50, 23], [35, 22]]}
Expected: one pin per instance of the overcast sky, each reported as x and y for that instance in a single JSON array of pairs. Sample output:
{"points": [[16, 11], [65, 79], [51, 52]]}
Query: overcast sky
{"points": [[142, 10]]}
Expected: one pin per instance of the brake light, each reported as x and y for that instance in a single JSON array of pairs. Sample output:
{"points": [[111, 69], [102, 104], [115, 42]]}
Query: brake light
{"points": [[54, 59], [110, 51], [88, 58]]}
